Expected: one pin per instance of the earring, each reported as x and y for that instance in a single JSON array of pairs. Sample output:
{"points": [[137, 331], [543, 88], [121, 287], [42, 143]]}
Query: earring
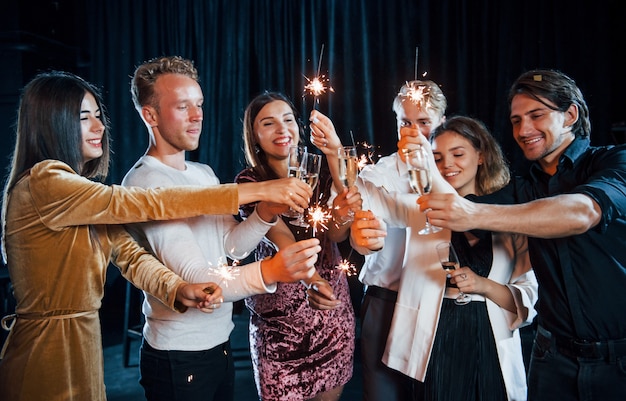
{"points": [[257, 148]]}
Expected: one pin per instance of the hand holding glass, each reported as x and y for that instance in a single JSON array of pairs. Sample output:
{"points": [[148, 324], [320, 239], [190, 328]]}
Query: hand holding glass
{"points": [[450, 262], [348, 171], [294, 169], [310, 174], [420, 179], [348, 165]]}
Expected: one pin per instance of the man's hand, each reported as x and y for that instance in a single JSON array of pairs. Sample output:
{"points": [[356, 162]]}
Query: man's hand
{"points": [[293, 263], [449, 210], [268, 211], [204, 296], [367, 231], [408, 139]]}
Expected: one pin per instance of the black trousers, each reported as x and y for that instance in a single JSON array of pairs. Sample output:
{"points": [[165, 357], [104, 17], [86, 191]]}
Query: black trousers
{"points": [[187, 375]]}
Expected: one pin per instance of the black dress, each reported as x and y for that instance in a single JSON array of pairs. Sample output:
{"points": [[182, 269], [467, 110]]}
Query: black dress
{"points": [[464, 363]]}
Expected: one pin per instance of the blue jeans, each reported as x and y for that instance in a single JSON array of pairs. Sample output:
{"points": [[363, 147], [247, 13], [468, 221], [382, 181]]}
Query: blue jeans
{"points": [[187, 375], [556, 373]]}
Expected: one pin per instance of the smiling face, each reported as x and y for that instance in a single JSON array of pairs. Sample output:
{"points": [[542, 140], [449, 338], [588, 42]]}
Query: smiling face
{"points": [[457, 161], [542, 133], [276, 128], [92, 128]]}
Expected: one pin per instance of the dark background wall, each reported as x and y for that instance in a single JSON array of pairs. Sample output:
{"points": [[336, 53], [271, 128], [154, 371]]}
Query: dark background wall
{"points": [[474, 49]]}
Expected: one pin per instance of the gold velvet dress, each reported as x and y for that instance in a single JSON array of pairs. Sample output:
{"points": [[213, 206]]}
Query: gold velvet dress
{"points": [[62, 230]]}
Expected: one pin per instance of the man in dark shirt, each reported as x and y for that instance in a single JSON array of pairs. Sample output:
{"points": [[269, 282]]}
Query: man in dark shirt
{"points": [[572, 205]]}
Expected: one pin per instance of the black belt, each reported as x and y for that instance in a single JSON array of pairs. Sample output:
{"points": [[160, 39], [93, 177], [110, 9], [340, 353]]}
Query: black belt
{"points": [[382, 293], [577, 348]]}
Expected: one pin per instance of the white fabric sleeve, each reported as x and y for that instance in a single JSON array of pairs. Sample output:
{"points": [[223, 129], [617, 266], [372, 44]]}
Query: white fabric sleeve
{"points": [[242, 238]]}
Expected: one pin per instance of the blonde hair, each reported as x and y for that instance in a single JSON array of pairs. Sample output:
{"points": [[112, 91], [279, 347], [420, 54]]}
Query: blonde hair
{"points": [[424, 94]]}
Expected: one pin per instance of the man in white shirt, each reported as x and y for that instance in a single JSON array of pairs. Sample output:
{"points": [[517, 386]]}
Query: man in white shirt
{"points": [[419, 107], [187, 356]]}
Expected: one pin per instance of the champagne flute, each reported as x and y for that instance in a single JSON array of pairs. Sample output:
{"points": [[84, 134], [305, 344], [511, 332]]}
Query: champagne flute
{"points": [[310, 174], [420, 179], [450, 262], [348, 171], [294, 169], [348, 165]]}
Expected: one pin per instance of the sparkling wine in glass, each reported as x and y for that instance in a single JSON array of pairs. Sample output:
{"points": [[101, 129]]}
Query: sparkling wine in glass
{"points": [[348, 165], [310, 174], [294, 169], [420, 179], [450, 262], [348, 171]]}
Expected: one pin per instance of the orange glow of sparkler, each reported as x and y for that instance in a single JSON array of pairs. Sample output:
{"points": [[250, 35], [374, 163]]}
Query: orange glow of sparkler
{"points": [[345, 266], [318, 218], [419, 95], [317, 85], [362, 162], [225, 271]]}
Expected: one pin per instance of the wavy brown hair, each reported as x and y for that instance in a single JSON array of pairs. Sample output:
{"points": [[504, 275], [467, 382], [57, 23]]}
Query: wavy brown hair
{"points": [[493, 173], [255, 155]]}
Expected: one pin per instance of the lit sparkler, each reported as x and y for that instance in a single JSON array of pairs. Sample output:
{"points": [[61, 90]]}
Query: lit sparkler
{"points": [[224, 271], [345, 266], [318, 218], [319, 84]]}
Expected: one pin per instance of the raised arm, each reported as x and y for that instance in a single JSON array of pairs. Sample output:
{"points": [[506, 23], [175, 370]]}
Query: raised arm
{"points": [[325, 138], [553, 217], [287, 191]]}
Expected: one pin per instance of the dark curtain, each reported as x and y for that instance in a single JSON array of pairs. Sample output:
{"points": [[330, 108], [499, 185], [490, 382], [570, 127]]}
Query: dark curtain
{"points": [[473, 49]]}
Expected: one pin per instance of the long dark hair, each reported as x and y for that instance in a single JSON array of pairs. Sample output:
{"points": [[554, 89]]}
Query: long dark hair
{"points": [[255, 156], [48, 128]]}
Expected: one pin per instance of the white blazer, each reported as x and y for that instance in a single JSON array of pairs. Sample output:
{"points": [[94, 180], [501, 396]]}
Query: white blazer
{"points": [[422, 289]]}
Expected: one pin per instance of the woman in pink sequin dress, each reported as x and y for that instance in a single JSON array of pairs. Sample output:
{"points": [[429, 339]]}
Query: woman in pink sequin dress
{"points": [[298, 352]]}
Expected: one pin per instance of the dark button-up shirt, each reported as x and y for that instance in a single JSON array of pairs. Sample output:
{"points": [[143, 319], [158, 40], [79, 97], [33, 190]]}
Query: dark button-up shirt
{"points": [[582, 278]]}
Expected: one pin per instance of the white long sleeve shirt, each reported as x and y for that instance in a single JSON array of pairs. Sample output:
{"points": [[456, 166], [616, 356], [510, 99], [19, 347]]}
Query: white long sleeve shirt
{"points": [[383, 268], [192, 248]]}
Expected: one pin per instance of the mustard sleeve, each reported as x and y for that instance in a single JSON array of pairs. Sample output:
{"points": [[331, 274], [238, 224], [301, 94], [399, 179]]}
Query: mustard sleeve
{"points": [[63, 198]]}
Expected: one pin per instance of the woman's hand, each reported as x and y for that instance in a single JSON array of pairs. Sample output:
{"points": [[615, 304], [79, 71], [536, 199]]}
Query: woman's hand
{"points": [[204, 296], [323, 134], [291, 192], [320, 295]]}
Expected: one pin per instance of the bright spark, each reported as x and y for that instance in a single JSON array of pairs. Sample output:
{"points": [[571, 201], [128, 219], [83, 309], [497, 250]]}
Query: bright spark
{"points": [[345, 266], [317, 85], [318, 218], [224, 271]]}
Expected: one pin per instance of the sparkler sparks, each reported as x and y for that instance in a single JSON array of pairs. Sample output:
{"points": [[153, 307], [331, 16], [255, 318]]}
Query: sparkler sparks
{"points": [[319, 84], [345, 266], [318, 218], [224, 271], [419, 95]]}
